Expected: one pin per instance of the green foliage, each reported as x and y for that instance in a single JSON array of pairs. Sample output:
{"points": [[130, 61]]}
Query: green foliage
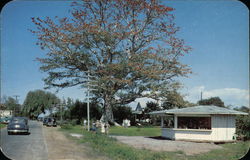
{"points": [[75, 112], [243, 109], [151, 106], [174, 99], [115, 46], [78, 111], [121, 113], [212, 101], [37, 102], [2, 125], [243, 127], [66, 126], [11, 104]]}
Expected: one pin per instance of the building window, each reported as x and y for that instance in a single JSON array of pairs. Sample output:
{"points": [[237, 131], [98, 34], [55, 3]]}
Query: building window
{"points": [[194, 122]]}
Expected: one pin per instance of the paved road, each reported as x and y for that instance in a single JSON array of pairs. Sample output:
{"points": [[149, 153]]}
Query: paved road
{"points": [[25, 147]]}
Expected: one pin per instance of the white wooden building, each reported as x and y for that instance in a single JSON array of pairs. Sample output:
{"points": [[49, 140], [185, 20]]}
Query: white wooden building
{"points": [[5, 113], [199, 123]]}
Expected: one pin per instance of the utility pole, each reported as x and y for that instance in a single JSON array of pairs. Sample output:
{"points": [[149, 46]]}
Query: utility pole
{"points": [[201, 95], [88, 95], [88, 101], [61, 114], [14, 112]]}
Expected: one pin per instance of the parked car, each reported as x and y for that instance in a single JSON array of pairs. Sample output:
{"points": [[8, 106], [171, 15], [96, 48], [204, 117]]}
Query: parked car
{"points": [[25, 119], [18, 125], [5, 120], [39, 118], [51, 122], [45, 119]]}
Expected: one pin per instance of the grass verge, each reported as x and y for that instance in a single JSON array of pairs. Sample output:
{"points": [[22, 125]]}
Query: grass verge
{"points": [[230, 151], [113, 149], [2, 125]]}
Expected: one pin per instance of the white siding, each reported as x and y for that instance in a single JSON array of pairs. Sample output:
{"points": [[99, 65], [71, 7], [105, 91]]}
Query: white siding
{"points": [[168, 133], [223, 129], [5, 113], [187, 134]]}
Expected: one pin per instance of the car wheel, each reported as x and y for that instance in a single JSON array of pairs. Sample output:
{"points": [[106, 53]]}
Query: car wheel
{"points": [[9, 133]]}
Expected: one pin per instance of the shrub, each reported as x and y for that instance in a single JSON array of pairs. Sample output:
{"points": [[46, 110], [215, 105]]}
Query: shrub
{"points": [[74, 122], [243, 127], [66, 126]]}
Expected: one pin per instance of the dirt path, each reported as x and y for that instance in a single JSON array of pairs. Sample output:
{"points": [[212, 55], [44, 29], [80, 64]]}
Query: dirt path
{"points": [[189, 148], [62, 148]]}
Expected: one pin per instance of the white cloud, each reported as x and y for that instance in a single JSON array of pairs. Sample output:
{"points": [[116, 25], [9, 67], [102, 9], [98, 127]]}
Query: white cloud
{"points": [[230, 96]]}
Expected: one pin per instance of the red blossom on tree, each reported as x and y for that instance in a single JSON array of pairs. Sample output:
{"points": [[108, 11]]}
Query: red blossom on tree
{"points": [[129, 46]]}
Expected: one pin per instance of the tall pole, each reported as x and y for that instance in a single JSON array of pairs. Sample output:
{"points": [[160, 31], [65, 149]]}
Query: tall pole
{"points": [[88, 102], [61, 114], [15, 105], [201, 95]]}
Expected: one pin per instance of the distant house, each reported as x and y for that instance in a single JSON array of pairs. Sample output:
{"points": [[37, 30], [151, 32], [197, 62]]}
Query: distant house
{"points": [[138, 109], [5, 113], [138, 112], [199, 123]]}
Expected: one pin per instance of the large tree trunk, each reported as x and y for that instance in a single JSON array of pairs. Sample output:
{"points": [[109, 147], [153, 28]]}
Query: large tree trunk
{"points": [[107, 115]]}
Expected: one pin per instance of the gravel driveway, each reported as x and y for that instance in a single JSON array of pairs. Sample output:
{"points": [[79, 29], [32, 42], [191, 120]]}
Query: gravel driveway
{"points": [[189, 148]]}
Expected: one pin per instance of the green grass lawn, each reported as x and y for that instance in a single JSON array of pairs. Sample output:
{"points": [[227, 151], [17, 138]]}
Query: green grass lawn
{"points": [[135, 131], [113, 149], [2, 125], [230, 151]]}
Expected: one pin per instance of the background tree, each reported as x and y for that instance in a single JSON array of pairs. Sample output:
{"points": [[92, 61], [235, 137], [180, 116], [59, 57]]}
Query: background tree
{"points": [[151, 106], [243, 127], [121, 113], [78, 111], [3, 107], [174, 99], [243, 109], [11, 104], [212, 101], [127, 46], [37, 102]]}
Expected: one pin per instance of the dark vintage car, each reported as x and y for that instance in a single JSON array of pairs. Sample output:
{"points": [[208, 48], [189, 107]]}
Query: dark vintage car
{"points": [[18, 125], [39, 118], [45, 119], [49, 121]]}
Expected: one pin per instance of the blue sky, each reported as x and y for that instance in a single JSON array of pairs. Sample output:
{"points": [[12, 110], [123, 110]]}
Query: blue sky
{"points": [[216, 30]]}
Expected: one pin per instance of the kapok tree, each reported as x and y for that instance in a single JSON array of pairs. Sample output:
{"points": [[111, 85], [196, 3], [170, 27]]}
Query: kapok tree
{"points": [[129, 48]]}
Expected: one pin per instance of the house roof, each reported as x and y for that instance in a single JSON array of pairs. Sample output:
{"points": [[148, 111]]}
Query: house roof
{"points": [[202, 109], [138, 107]]}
